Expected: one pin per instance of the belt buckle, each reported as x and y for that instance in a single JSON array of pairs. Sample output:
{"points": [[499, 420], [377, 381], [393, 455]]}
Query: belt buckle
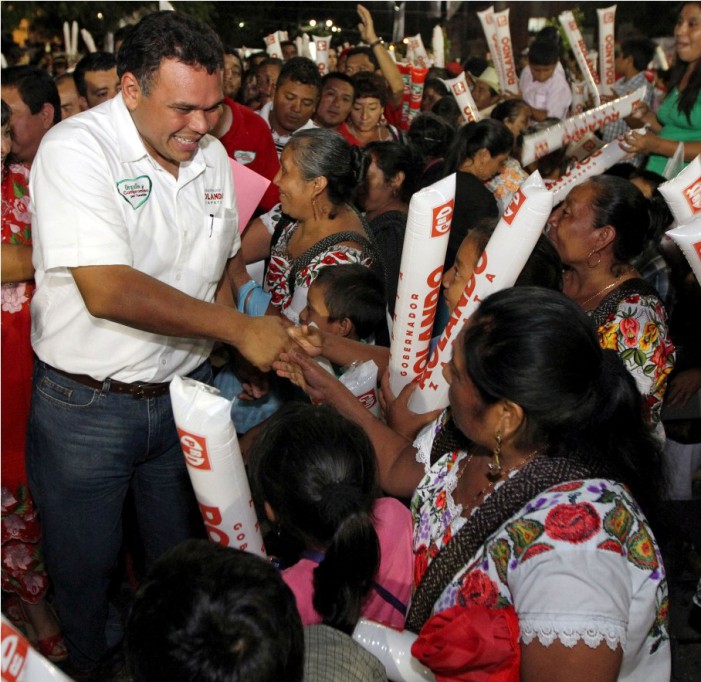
{"points": [[139, 392]]}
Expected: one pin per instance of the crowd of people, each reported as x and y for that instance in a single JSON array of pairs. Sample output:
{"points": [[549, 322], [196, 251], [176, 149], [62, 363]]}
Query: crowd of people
{"points": [[521, 532]]}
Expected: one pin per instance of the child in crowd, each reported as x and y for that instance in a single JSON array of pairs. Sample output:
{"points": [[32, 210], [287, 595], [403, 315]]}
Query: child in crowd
{"points": [[313, 475], [347, 300], [543, 82], [206, 612]]}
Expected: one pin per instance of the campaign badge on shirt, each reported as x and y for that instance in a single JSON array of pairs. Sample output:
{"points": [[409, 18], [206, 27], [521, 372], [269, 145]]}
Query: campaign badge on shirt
{"points": [[135, 191], [213, 199], [244, 157]]}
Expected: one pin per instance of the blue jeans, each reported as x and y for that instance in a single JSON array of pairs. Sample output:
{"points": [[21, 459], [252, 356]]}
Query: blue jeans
{"points": [[86, 447]]}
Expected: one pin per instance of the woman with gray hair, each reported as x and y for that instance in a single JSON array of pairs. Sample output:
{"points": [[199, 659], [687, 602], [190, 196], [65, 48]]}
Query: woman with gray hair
{"points": [[315, 224]]}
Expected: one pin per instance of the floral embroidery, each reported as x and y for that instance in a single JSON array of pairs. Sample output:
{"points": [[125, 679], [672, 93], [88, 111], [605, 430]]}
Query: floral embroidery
{"points": [[618, 522], [535, 550], [638, 332], [478, 589], [572, 522], [641, 550], [500, 552], [611, 546], [523, 533], [659, 632]]}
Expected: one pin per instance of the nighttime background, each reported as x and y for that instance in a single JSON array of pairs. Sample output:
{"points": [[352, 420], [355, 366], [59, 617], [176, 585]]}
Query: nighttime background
{"points": [[42, 21]]}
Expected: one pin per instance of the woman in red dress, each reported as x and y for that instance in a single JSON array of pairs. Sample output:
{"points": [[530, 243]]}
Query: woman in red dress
{"points": [[23, 572]]}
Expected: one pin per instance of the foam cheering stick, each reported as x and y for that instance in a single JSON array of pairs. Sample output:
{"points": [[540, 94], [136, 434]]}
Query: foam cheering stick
{"points": [[420, 275], [688, 239], [418, 78], [405, 71], [600, 161], [74, 39], [683, 193], [272, 46], [506, 52], [21, 662], [67, 39], [361, 381], [489, 27], [419, 54], [579, 49], [88, 40], [214, 463], [438, 46], [393, 648], [322, 54], [499, 266], [576, 127], [461, 91], [607, 45]]}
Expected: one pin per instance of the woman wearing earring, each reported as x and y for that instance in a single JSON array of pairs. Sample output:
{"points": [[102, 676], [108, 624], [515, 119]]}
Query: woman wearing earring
{"points": [[599, 228], [533, 497], [314, 225], [366, 121]]}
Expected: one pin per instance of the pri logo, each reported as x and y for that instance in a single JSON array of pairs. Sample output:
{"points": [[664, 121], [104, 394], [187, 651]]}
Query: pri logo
{"points": [[442, 216], [195, 450], [14, 654], [514, 207], [501, 20], [693, 195], [609, 17], [368, 399], [459, 88], [697, 248], [321, 46]]}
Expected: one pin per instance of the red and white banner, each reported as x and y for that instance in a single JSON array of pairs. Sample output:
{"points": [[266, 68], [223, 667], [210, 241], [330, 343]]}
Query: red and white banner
{"points": [[579, 48], [576, 127], [506, 253], [506, 52], [215, 465], [461, 91], [322, 54], [420, 276], [607, 49], [489, 27]]}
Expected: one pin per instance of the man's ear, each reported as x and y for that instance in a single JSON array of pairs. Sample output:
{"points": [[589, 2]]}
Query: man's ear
{"points": [[131, 91], [47, 115]]}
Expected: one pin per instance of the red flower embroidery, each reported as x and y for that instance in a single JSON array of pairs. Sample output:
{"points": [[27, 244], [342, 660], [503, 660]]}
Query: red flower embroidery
{"points": [[440, 500], [478, 589], [572, 522], [611, 546], [420, 563], [630, 328]]}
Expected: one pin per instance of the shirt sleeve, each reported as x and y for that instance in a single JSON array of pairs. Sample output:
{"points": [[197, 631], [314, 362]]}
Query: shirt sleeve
{"points": [[76, 218]]}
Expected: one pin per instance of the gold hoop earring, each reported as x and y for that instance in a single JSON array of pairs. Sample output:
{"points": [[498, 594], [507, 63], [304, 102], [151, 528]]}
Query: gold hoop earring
{"points": [[495, 465], [594, 265]]}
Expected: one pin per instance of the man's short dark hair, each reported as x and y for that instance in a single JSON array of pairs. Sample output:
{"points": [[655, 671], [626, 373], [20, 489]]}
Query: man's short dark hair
{"points": [[336, 76], [35, 86], [93, 61], [168, 35], [361, 49], [543, 53], [213, 614], [641, 49], [300, 70], [270, 61]]}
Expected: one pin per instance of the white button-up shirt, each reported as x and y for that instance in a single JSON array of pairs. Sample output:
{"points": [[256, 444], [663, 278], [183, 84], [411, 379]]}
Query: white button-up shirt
{"points": [[99, 198]]}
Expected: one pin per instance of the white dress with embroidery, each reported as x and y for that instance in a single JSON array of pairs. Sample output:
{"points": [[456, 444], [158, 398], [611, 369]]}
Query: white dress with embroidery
{"points": [[578, 563]]}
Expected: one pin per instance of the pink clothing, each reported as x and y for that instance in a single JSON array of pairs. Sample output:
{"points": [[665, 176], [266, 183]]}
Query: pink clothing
{"points": [[554, 95], [394, 530]]}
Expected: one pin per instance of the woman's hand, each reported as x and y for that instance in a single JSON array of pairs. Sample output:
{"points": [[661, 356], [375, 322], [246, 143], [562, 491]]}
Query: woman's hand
{"points": [[306, 373], [397, 413], [683, 386], [310, 339], [637, 143]]}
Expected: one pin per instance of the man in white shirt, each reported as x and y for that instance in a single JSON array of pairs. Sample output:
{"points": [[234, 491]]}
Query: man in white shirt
{"points": [[135, 225], [296, 95]]}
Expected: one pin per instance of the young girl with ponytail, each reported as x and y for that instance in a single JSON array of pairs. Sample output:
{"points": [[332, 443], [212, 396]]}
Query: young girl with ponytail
{"points": [[313, 473]]}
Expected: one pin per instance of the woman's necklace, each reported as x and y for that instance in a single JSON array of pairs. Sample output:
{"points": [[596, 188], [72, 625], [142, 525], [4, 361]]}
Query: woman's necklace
{"points": [[602, 291], [494, 479]]}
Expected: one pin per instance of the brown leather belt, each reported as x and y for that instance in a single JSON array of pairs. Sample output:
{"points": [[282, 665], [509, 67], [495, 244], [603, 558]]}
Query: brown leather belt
{"points": [[137, 390]]}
